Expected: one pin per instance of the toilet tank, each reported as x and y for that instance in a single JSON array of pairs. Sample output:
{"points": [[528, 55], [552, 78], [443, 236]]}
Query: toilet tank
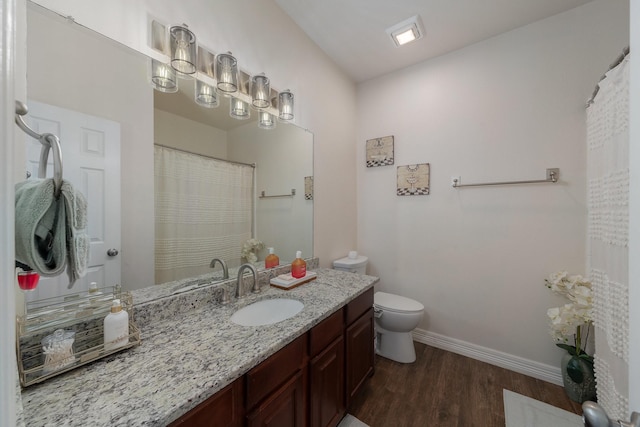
{"points": [[353, 263]]}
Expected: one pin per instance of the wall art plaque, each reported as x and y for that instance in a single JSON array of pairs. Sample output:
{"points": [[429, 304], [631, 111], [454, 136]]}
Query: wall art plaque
{"points": [[413, 180], [380, 151]]}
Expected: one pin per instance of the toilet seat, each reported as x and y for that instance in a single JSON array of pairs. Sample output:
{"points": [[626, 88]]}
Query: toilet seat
{"points": [[396, 303]]}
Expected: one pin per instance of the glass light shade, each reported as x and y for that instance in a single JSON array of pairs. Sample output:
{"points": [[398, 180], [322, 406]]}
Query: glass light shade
{"points": [[260, 91], [206, 95], [239, 109], [183, 50], [227, 73], [266, 120], [285, 105], [163, 77]]}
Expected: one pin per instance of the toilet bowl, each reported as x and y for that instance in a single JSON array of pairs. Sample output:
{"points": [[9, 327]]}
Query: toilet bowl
{"points": [[395, 318]]}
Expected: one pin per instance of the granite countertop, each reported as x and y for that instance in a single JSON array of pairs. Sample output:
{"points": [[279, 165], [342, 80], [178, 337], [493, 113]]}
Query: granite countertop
{"points": [[183, 360]]}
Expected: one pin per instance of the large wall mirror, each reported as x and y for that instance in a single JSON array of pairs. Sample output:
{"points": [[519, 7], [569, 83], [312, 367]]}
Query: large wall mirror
{"points": [[72, 70]]}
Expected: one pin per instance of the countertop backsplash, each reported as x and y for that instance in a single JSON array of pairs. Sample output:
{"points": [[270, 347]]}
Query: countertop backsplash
{"points": [[161, 302]]}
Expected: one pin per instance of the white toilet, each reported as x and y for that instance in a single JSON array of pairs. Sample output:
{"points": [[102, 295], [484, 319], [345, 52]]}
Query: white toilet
{"points": [[395, 318], [353, 263]]}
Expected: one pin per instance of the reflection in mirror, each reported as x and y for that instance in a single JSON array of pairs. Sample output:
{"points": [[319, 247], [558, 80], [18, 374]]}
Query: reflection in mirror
{"points": [[92, 79]]}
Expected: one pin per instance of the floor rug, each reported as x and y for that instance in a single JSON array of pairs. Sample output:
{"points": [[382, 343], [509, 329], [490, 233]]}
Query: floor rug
{"points": [[351, 421], [523, 411]]}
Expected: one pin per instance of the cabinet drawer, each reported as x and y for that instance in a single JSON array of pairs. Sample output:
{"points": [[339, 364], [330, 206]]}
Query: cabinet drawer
{"points": [[223, 409], [359, 306], [266, 377], [325, 332]]}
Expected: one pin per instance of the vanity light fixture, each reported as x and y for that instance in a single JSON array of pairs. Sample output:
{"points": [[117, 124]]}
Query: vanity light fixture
{"points": [[285, 105], [260, 91], [163, 77], [406, 31], [266, 120], [239, 109], [227, 73], [206, 95], [183, 50]]}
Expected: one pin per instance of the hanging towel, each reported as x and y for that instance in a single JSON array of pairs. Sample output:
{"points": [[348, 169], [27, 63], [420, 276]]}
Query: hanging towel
{"points": [[51, 233]]}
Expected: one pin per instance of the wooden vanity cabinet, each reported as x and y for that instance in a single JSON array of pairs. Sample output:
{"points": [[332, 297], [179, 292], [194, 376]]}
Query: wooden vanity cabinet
{"points": [[276, 389], [359, 351], [326, 372], [223, 409], [310, 382]]}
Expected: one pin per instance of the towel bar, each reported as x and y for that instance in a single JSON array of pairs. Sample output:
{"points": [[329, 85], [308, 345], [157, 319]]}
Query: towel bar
{"points": [[264, 196], [552, 176]]}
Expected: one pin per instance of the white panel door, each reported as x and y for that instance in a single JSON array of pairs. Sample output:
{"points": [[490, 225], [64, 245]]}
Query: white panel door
{"points": [[91, 162]]}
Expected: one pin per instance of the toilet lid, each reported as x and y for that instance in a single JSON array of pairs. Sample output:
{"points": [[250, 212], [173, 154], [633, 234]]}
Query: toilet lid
{"points": [[396, 303]]}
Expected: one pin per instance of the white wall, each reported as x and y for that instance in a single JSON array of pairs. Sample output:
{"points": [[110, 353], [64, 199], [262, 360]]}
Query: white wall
{"points": [[282, 223], [503, 109], [634, 213], [264, 40]]}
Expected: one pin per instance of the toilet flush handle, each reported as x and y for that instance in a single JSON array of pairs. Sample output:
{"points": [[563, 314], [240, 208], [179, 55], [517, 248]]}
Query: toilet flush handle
{"points": [[377, 312]]}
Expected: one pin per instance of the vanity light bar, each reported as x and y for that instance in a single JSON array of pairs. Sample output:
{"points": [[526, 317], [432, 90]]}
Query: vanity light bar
{"points": [[177, 45]]}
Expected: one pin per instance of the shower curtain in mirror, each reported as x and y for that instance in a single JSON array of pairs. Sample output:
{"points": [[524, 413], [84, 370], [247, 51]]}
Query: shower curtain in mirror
{"points": [[203, 210], [607, 232]]}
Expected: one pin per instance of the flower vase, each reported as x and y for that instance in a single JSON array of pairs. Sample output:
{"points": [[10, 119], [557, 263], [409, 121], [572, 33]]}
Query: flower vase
{"points": [[578, 378]]}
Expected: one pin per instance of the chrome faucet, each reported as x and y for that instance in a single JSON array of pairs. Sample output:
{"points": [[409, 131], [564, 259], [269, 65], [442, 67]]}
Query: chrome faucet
{"points": [[240, 283], [225, 270]]}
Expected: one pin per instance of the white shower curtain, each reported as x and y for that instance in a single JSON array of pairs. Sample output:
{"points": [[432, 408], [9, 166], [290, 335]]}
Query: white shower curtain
{"points": [[203, 210], [608, 227]]}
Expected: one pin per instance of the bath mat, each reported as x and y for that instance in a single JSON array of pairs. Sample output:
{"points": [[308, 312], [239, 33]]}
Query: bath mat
{"points": [[351, 421], [523, 411]]}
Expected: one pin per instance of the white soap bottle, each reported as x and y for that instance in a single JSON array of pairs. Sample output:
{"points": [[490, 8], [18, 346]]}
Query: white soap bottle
{"points": [[116, 327]]}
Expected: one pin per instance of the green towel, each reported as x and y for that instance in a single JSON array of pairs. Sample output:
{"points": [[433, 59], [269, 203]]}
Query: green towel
{"points": [[51, 233]]}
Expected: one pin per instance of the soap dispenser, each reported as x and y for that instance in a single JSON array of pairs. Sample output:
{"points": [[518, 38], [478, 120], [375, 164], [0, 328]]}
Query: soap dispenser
{"points": [[116, 327], [271, 260], [298, 266]]}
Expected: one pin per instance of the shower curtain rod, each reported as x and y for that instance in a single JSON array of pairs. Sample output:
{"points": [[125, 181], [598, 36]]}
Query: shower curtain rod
{"points": [[253, 165], [615, 63]]}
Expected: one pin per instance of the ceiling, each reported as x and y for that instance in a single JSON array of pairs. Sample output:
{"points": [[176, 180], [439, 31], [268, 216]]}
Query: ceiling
{"points": [[352, 32]]}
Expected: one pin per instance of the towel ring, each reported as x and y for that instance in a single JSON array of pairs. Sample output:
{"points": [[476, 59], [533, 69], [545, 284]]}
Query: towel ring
{"points": [[48, 141]]}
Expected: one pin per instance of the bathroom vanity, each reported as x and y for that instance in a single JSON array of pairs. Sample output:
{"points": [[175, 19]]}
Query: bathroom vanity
{"points": [[195, 365]]}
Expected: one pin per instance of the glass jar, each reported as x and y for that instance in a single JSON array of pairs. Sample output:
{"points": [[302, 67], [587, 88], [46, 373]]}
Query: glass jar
{"points": [[57, 349]]}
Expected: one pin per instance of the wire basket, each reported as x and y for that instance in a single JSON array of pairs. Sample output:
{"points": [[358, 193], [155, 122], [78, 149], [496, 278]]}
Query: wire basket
{"points": [[80, 316]]}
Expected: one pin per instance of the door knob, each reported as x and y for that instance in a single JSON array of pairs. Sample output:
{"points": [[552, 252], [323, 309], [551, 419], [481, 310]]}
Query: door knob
{"points": [[112, 252]]}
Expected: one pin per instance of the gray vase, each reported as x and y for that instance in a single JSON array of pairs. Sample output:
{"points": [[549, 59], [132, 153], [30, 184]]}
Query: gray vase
{"points": [[580, 384]]}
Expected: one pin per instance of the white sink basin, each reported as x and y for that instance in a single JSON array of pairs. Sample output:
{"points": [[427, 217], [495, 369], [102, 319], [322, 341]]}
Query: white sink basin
{"points": [[267, 312]]}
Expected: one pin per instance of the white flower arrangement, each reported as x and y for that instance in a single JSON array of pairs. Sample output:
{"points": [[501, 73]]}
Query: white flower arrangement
{"points": [[573, 318], [249, 249]]}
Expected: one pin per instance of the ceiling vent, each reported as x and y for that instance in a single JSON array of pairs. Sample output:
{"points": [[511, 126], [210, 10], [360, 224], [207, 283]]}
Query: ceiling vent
{"points": [[406, 31]]}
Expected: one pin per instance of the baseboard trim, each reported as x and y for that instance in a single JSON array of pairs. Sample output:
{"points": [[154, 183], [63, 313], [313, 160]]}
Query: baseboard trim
{"points": [[504, 360]]}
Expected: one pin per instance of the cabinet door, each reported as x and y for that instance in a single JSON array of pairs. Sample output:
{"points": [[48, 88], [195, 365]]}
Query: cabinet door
{"points": [[326, 378], [267, 377], [359, 354], [285, 408], [223, 409]]}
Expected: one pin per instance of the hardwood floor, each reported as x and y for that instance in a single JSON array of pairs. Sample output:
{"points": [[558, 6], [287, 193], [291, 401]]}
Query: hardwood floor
{"points": [[446, 389]]}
